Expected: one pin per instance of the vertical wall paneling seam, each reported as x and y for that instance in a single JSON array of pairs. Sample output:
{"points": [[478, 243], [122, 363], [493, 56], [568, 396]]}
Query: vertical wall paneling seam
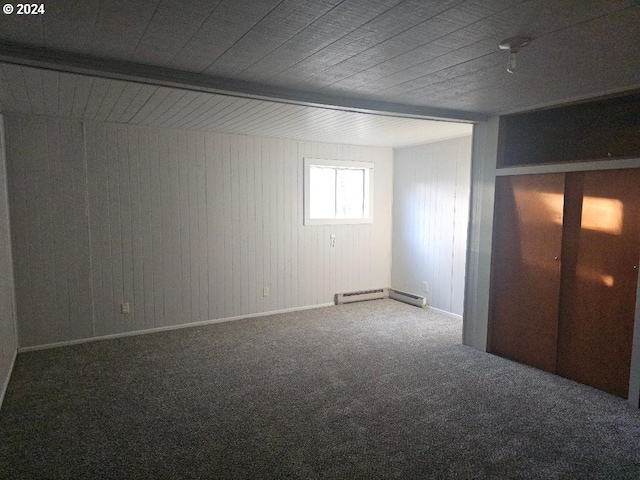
{"points": [[119, 160], [455, 194], [297, 221], [259, 228], [106, 259], [212, 146], [437, 218], [41, 92], [11, 273], [129, 277], [200, 207], [69, 79], [244, 220], [115, 225], [165, 236], [236, 274], [194, 233], [69, 217], [154, 217], [226, 196], [23, 309], [390, 230], [84, 110], [37, 258], [30, 230], [51, 253], [88, 213], [183, 230], [201, 222], [137, 243], [280, 254], [24, 82], [142, 181], [59, 185]]}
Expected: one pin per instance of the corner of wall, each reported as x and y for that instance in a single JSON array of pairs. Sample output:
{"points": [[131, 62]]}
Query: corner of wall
{"points": [[8, 327], [476, 302], [430, 217]]}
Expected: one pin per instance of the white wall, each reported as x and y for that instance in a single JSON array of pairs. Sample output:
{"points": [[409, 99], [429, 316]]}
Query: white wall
{"points": [[185, 226], [430, 218], [483, 180], [8, 337]]}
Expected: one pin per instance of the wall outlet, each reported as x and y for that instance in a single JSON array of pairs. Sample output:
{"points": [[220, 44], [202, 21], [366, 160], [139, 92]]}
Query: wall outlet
{"points": [[425, 287], [124, 308], [265, 291], [332, 238]]}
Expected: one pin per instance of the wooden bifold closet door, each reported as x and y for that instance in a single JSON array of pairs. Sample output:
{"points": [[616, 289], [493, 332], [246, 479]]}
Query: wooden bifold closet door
{"points": [[525, 270], [598, 293], [564, 274]]}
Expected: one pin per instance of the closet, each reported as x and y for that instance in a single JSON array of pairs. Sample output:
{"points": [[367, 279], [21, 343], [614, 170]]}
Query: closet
{"points": [[564, 273], [566, 247]]}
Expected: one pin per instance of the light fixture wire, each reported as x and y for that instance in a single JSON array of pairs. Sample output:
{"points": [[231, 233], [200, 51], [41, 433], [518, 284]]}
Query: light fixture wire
{"points": [[514, 44]]}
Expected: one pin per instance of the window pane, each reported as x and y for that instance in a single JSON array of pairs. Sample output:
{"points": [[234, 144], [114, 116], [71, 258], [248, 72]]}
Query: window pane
{"points": [[322, 195], [350, 193]]}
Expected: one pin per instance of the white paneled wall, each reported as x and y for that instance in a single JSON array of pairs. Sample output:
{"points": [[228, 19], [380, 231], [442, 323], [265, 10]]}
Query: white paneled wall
{"points": [[49, 228], [186, 226], [430, 216], [8, 337]]}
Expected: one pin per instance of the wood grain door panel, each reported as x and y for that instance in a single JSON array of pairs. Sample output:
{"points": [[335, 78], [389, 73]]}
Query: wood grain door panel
{"points": [[598, 297], [525, 279]]}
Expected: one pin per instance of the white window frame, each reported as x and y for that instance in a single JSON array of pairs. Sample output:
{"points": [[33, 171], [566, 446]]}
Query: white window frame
{"points": [[308, 162]]}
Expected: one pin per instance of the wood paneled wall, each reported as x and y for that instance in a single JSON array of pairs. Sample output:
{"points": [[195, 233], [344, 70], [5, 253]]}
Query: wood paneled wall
{"points": [[186, 226], [8, 336], [430, 216]]}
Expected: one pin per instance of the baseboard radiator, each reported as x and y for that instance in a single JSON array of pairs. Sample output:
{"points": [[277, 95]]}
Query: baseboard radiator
{"points": [[361, 295], [409, 298]]}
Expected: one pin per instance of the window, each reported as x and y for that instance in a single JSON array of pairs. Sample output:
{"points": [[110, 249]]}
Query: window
{"points": [[337, 192]]}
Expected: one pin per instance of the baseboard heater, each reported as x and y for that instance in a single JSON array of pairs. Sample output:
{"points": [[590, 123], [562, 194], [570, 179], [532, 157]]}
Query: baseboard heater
{"points": [[409, 298], [361, 295]]}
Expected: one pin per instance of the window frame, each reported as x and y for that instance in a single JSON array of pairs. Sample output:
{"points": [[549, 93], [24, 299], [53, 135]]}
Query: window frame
{"points": [[368, 190]]}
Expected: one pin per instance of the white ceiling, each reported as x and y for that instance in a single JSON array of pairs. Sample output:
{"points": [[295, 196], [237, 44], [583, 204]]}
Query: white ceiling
{"points": [[430, 54], [44, 92]]}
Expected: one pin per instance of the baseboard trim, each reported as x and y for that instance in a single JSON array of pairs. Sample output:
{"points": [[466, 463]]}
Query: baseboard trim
{"points": [[6, 381], [455, 315], [168, 328]]}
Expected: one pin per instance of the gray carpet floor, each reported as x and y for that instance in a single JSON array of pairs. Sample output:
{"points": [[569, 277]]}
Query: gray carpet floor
{"points": [[370, 390]]}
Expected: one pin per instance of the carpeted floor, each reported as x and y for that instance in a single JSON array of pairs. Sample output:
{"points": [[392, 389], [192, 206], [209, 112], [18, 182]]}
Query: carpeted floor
{"points": [[370, 390]]}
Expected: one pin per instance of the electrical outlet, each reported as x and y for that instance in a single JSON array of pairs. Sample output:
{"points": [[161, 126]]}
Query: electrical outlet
{"points": [[425, 287], [265, 291], [124, 308], [333, 240]]}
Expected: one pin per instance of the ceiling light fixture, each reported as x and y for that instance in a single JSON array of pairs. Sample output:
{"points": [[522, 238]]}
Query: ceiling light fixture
{"points": [[513, 44]]}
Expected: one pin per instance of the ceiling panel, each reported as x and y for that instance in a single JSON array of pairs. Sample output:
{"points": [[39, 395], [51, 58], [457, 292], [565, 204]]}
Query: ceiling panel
{"points": [[42, 92], [56, 31], [225, 25], [401, 51], [119, 27], [273, 31], [326, 30]]}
